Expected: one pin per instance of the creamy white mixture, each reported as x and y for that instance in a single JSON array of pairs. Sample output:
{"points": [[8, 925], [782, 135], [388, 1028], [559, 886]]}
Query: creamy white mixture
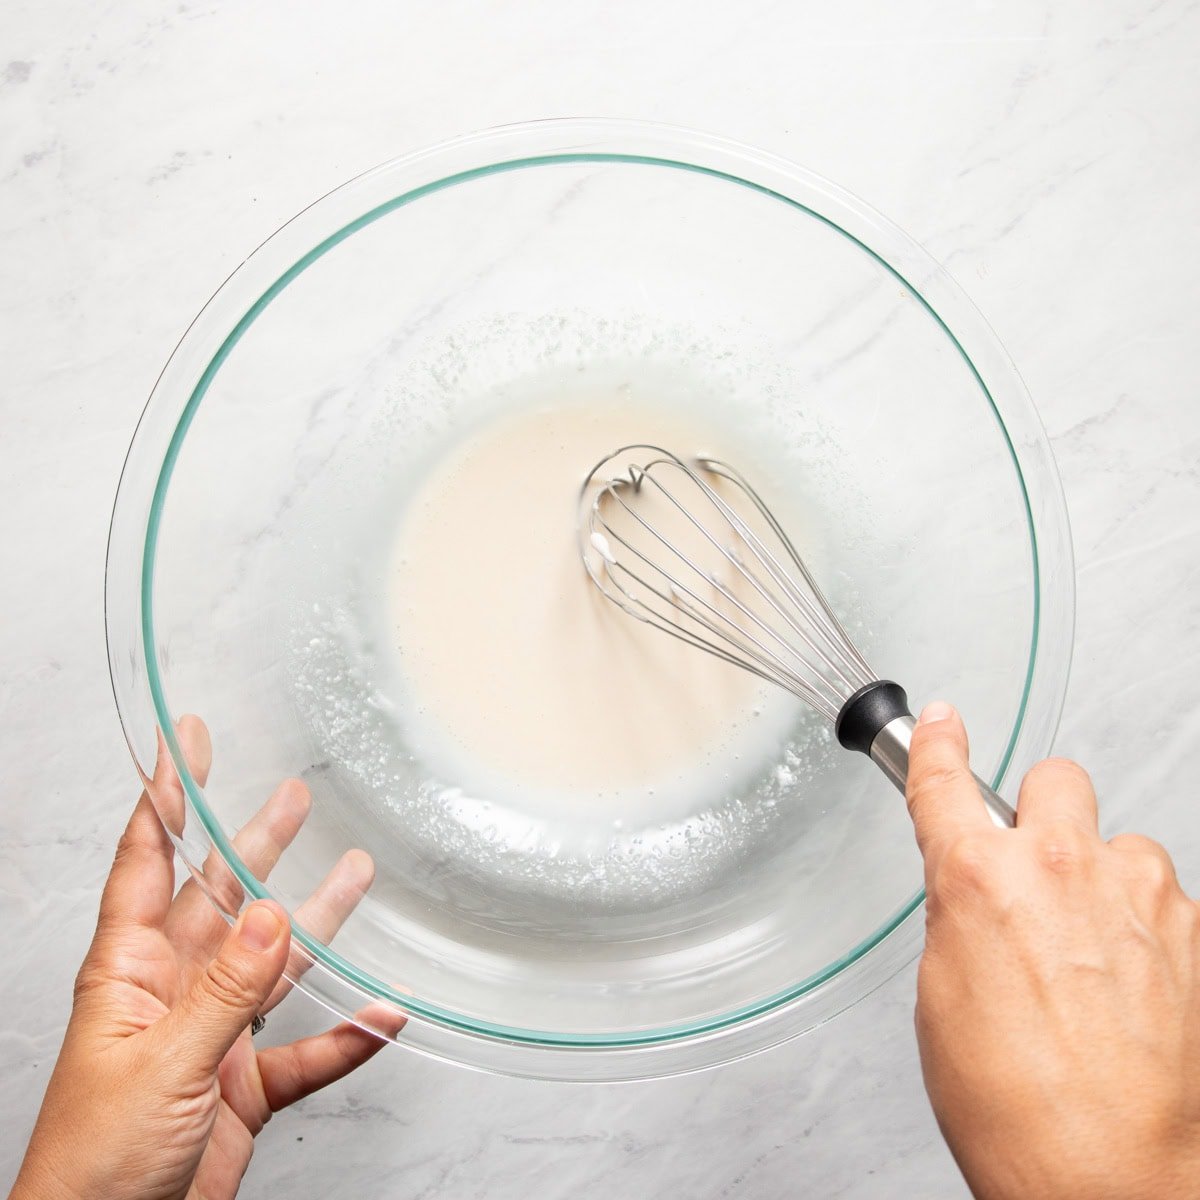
{"points": [[515, 671]]}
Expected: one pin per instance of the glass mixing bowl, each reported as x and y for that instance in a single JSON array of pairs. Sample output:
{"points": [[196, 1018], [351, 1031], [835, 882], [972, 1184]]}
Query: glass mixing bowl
{"points": [[243, 569]]}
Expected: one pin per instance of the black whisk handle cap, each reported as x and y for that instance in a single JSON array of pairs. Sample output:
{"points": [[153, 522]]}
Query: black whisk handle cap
{"points": [[868, 711]]}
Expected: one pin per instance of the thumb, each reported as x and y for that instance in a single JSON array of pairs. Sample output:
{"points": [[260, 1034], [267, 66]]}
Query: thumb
{"points": [[943, 798], [200, 1030]]}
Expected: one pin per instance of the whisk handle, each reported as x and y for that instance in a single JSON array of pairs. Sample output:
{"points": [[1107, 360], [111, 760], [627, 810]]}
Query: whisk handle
{"points": [[877, 721], [890, 753]]}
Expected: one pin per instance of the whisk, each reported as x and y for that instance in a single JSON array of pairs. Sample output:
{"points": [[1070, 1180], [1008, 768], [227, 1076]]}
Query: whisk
{"points": [[717, 571]]}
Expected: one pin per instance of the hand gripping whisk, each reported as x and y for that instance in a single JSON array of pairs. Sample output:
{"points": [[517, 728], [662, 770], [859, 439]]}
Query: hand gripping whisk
{"points": [[694, 551]]}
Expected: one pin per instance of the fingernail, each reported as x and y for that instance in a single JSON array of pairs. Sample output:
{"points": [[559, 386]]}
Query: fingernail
{"points": [[939, 710], [259, 928]]}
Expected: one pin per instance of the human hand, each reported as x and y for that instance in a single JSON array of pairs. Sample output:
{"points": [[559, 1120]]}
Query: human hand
{"points": [[158, 1091], [1058, 997]]}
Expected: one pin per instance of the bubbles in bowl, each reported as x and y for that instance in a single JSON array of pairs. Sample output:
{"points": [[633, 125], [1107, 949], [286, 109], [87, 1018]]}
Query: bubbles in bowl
{"points": [[488, 840]]}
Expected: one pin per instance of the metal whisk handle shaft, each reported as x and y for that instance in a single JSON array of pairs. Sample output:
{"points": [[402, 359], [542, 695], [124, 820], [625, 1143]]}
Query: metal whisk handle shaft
{"points": [[890, 753], [876, 721]]}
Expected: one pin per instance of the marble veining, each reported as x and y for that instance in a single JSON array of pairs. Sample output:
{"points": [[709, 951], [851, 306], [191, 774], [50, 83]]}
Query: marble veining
{"points": [[1049, 154]]}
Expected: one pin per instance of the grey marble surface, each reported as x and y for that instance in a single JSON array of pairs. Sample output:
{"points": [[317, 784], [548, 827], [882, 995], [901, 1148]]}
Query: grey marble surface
{"points": [[1049, 154]]}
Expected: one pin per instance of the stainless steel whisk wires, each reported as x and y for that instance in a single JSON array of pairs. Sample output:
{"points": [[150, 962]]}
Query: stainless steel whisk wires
{"points": [[672, 596], [699, 570]]}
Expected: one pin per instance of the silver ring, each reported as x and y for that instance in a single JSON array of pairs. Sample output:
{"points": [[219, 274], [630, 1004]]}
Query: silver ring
{"points": [[258, 1024]]}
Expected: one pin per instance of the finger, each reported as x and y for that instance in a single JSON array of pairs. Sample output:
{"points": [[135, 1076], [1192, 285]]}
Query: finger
{"points": [[1148, 853], [323, 913], [139, 886], [193, 921], [1137, 843], [1152, 884], [291, 1072], [164, 786], [943, 797], [198, 1033], [196, 744], [1057, 789], [138, 891], [270, 831]]}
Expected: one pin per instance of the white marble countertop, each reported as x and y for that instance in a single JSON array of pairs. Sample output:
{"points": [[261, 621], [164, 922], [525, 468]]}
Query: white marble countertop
{"points": [[1049, 154]]}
